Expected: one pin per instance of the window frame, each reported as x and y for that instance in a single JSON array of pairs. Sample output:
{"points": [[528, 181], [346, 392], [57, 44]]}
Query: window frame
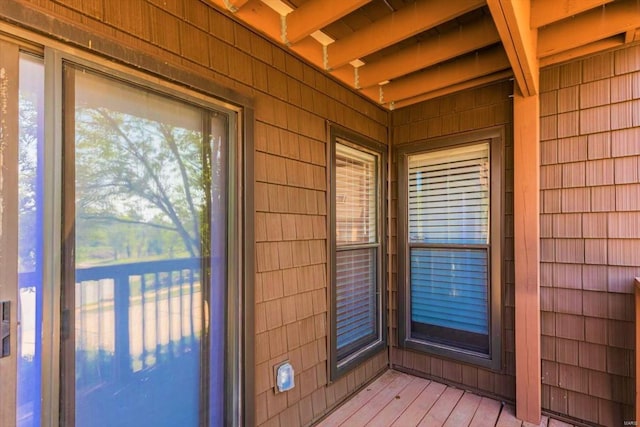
{"points": [[495, 136], [339, 367]]}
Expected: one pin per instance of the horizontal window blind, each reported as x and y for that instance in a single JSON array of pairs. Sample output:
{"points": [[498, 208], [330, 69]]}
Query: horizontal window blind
{"points": [[355, 196], [356, 225], [448, 209], [449, 288], [449, 196], [355, 295]]}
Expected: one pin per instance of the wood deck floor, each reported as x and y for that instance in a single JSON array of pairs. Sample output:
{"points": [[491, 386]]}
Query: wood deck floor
{"points": [[401, 400]]}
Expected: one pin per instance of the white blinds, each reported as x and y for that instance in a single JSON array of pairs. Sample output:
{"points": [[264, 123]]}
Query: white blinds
{"points": [[355, 295], [449, 196], [355, 196], [449, 208], [356, 225]]}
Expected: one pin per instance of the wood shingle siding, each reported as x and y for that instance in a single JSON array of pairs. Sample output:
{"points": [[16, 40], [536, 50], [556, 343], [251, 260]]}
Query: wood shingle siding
{"points": [[195, 44], [591, 214]]}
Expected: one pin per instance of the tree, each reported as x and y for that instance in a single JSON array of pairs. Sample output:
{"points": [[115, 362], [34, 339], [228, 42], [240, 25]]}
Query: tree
{"points": [[28, 183], [144, 173]]}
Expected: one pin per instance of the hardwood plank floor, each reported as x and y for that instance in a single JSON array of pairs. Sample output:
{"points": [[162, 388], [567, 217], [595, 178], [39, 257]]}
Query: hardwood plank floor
{"points": [[401, 400], [355, 403], [419, 407], [397, 406], [487, 413]]}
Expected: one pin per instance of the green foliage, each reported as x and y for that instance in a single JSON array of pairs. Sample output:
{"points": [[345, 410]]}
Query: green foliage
{"points": [[139, 188]]}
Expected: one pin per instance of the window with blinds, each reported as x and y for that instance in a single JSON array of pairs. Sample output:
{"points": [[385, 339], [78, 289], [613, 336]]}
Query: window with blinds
{"points": [[448, 238], [356, 251]]}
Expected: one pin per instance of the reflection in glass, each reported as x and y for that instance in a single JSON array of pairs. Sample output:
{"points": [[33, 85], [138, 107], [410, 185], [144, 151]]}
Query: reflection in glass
{"points": [[30, 166], [149, 250]]}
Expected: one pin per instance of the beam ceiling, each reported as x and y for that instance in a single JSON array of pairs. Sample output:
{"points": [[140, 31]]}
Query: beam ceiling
{"points": [[512, 18], [408, 21], [544, 12], [315, 15], [596, 24], [429, 52], [458, 71], [409, 51]]}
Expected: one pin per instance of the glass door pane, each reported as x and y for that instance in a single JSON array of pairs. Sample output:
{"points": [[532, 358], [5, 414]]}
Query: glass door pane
{"points": [[144, 223], [30, 218]]}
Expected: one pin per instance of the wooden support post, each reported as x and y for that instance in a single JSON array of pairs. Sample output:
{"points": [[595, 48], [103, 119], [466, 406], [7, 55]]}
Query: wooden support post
{"points": [[527, 255]]}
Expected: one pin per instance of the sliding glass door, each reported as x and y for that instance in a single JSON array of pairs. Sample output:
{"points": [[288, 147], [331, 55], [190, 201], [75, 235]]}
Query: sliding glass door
{"points": [[124, 273], [144, 249]]}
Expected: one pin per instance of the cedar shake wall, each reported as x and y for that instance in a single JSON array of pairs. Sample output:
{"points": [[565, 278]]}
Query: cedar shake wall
{"points": [[190, 40], [590, 234], [461, 112]]}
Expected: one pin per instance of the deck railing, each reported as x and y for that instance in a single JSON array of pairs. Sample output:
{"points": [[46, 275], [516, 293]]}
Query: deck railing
{"points": [[134, 316], [130, 317]]}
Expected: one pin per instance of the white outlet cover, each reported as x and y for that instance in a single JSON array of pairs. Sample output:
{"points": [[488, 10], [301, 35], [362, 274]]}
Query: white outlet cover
{"points": [[285, 377]]}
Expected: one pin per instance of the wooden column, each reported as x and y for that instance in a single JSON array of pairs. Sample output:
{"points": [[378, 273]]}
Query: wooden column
{"points": [[527, 255]]}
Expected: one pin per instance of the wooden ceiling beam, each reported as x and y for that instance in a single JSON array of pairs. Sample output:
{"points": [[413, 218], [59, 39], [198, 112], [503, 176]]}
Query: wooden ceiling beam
{"points": [[632, 35], [587, 49], [235, 5], [346, 74], [258, 15], [406, 22], [477, 82], [311, 50], [512, 19], [314, 15], [263, 18], [460, 70], [598, 24], [545, 12], [429, 52], [231, 5]]}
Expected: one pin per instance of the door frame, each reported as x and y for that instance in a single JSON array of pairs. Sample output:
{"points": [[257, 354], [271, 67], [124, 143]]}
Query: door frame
{"points": [[9, 89]]}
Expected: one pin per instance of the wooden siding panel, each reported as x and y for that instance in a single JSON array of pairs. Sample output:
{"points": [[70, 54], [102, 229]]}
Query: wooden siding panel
{"points": [[627, 170], [595, 94], [597, 67], [570, 74], [592, 382], [568, 99], [627, 60], [573, 174], [622, 115], [599, 146], [625, 142], [595, 304], [572, 149], [595, 120], [593, 356], [599, 172], [569, 124]]}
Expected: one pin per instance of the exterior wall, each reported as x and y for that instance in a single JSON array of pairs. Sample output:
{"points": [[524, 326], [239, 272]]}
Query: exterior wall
{"points": [[190, 41], [460, 112], [590, 234]]}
